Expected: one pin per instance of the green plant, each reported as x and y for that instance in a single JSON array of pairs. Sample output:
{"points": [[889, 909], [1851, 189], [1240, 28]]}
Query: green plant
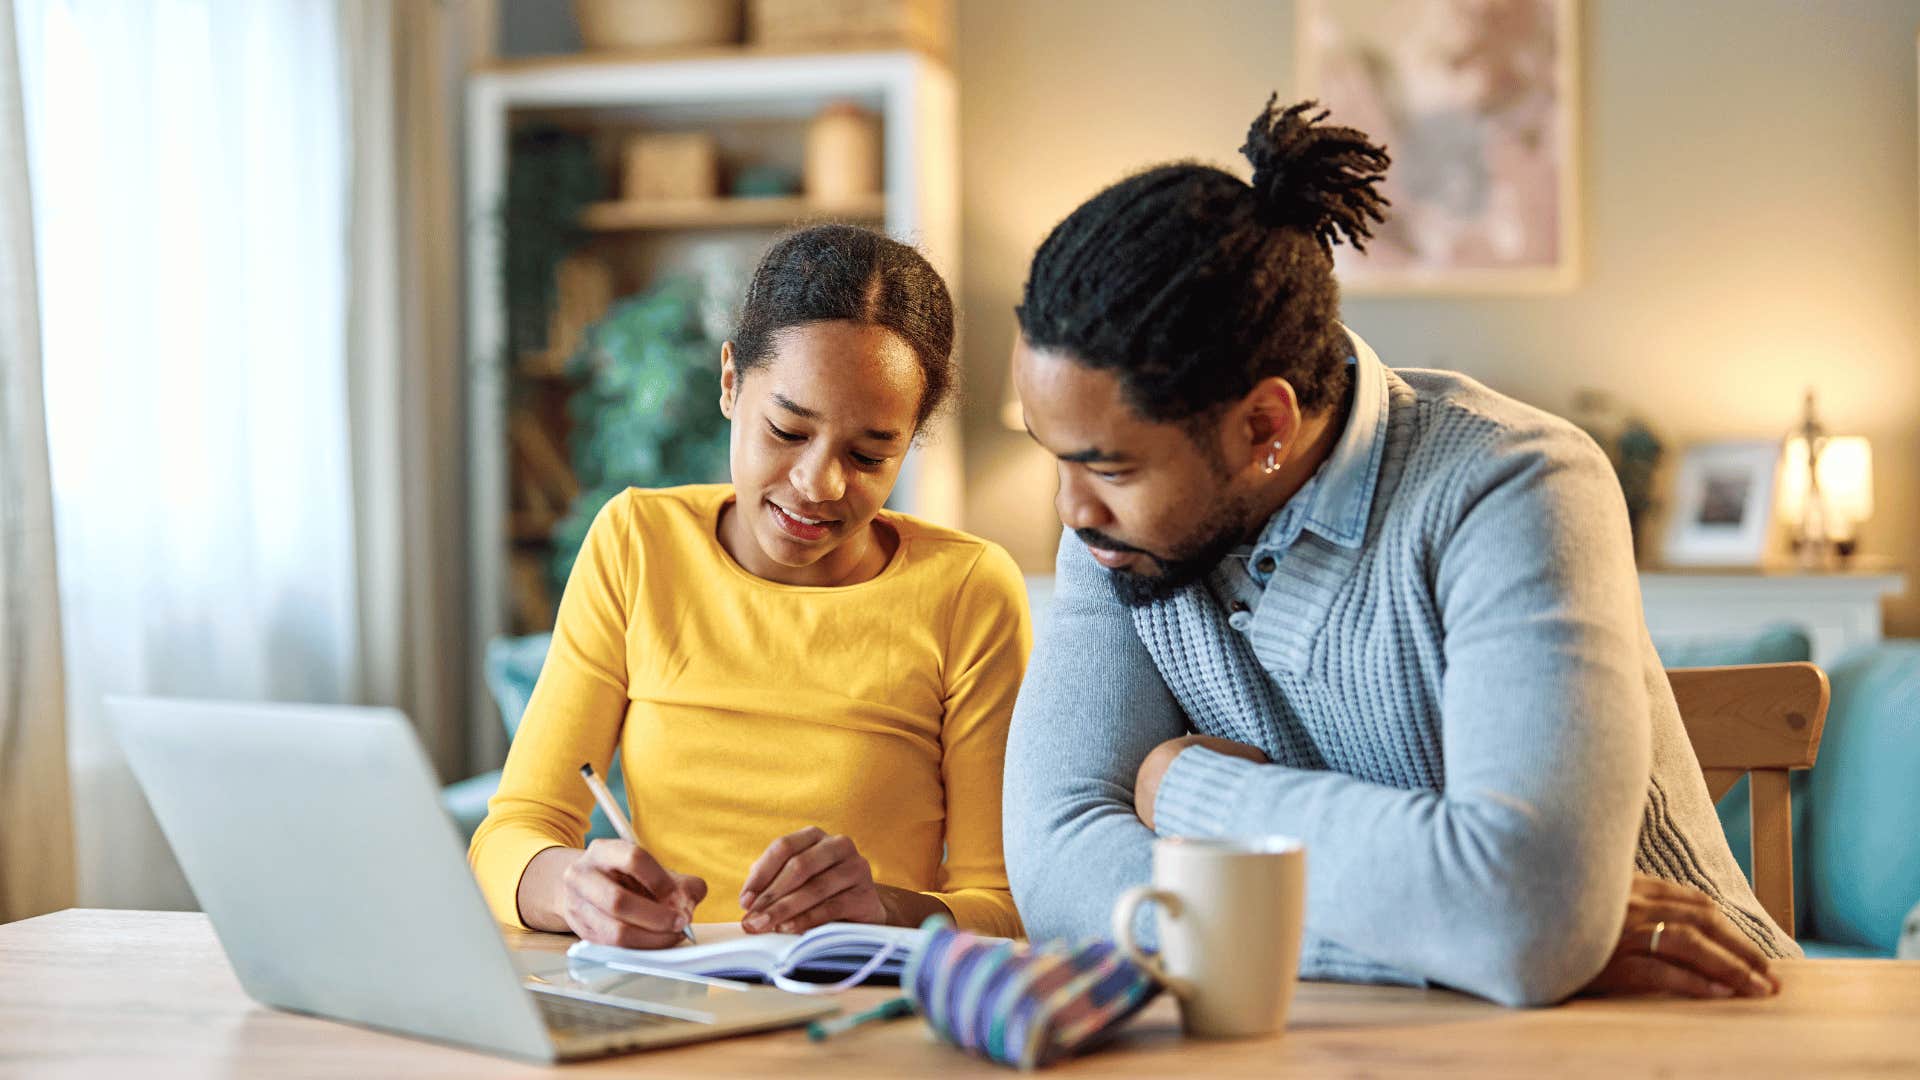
{"points": [[646, 410], [1631, 447], [551, 177]]}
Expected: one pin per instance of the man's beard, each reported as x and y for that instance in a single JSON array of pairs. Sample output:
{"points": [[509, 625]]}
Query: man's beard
{"points": [[1223, 529]]}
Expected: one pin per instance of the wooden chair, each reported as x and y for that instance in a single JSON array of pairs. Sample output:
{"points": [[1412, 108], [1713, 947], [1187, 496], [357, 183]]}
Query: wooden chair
{"points": [[1758, 720]]}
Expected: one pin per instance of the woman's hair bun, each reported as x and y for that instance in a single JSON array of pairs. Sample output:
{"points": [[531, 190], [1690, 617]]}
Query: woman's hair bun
{"points": [[1312, 176]]}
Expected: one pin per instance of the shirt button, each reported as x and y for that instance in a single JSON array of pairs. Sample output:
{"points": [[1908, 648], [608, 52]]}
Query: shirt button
{"points": [[1240, 620], [1265, 565]]}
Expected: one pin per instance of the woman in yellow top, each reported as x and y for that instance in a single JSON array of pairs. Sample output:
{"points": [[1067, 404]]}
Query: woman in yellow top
{"points": [[809, 694]]}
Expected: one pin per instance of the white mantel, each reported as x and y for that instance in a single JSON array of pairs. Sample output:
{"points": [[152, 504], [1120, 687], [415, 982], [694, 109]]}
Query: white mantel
{"points": [[1840, 610]]}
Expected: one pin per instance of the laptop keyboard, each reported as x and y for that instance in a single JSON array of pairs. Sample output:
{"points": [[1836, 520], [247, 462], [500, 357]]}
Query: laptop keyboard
{"points": [[570, 1017]]}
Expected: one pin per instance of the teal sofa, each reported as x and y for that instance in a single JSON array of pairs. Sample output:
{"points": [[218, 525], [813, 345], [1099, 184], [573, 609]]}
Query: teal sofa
{"points": [[1856, 813], [512, 667]]}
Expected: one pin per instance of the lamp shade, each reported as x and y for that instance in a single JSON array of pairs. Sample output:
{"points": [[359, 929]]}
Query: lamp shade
{"points": [[1846, 482]]}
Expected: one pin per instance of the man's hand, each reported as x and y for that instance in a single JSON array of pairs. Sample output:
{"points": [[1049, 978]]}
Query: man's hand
{"points": [[1146, 783], [1701, 954]]}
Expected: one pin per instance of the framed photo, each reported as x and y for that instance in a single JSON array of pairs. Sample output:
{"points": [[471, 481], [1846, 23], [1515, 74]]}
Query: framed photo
{"points": [[1477, 103], [1723, 499]]}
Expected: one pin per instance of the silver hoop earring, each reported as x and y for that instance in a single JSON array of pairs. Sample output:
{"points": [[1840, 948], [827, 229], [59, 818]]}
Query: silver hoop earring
{"points": [[1272, 464]]}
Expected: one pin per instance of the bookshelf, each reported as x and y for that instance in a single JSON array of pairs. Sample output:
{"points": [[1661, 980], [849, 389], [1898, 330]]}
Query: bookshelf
{"points": [[728, 213]]}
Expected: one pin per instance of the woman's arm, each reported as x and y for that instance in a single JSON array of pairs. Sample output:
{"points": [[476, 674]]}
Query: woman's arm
{"points": [[989, 639], [525, 853]]}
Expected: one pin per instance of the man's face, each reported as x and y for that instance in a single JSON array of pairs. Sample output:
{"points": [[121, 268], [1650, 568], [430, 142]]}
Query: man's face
{"points": [[1155, 504]]}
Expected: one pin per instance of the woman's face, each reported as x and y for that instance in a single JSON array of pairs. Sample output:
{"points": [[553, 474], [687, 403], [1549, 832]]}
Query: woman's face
{"points": [[819, 430]]}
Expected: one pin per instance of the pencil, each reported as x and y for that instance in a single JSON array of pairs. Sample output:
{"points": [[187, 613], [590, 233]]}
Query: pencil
{"points": [[620, 823], [886, 1010]]}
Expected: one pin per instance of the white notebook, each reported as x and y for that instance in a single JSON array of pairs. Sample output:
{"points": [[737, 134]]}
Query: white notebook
{"points": [[829, 952]]}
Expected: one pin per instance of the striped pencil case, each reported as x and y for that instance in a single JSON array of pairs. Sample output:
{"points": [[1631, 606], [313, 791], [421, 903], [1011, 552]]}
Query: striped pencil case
{"points": [[1018, 1004]]}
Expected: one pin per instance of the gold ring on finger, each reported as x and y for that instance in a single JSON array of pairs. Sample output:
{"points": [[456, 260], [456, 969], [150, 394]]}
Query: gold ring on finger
{"points": [[1653, 943]]}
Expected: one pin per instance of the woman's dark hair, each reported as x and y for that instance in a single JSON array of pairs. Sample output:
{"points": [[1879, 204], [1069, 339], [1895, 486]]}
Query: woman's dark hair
{"points": [[1192, 285], [835, 272]]}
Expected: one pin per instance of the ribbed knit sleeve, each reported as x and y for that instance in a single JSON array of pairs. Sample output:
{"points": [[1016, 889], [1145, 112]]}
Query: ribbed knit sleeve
{"points": [[1091, 709]]}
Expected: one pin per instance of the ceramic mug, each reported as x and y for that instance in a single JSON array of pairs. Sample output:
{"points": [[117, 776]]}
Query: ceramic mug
{"points": [[1230, 916]]}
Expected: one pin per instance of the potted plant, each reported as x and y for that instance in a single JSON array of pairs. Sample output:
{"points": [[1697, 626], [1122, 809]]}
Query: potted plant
{"points": [[645, 408]]}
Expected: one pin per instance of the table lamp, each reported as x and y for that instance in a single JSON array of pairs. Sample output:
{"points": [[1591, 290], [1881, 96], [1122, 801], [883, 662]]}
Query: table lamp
{"points": [[1826, 494]]}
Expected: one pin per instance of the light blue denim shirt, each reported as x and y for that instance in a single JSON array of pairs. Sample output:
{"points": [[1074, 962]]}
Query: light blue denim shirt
{"points": [[1333, 503]]}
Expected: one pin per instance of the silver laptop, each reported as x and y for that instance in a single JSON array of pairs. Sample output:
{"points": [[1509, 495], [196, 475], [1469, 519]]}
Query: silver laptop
{"points": [[314, 839]]}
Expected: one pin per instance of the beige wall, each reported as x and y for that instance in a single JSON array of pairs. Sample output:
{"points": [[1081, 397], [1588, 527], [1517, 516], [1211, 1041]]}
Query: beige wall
{"points": [[1749, 209]]}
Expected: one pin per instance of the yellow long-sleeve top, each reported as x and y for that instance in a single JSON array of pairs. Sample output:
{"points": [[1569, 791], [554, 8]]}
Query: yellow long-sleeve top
{"points": [[744, 709]]}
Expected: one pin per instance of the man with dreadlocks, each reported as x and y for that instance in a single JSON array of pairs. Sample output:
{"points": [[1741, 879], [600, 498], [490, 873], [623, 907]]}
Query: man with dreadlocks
{"points": [[1389, 612]]}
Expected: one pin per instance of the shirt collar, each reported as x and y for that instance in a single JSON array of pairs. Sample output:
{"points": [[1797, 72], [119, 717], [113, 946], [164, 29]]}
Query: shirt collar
{"points": [[1336, 500]]}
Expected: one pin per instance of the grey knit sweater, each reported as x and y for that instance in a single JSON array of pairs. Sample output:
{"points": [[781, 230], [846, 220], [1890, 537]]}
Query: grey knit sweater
{"points": [[1438, 644]]}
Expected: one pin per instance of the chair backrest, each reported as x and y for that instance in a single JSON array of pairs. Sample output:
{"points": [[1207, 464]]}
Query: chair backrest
{"points": [[1762, 721]]}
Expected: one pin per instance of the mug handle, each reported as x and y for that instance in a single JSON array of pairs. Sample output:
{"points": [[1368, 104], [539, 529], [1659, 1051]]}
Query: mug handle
{"points": [[1123, 915]]}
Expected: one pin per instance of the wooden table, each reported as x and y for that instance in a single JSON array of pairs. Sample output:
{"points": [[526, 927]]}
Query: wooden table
{"points": [[127, 993]]}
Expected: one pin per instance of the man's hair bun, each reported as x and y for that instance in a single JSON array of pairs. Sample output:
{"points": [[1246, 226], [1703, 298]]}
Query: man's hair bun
{"points": [[1312, 176]]}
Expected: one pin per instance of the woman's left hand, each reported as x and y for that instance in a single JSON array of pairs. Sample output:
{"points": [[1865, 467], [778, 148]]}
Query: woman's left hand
{"points": [[808, 878]]}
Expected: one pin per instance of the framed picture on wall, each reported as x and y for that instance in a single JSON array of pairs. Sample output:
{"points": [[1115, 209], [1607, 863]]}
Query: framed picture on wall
{"points": [[1477, 103], [1723, 500]]}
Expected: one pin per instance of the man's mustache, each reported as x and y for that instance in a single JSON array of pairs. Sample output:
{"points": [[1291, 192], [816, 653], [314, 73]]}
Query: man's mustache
{"points": [[1096, 538]]}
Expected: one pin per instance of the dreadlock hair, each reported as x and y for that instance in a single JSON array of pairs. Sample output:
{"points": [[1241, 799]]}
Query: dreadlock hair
{"points": [[844, 272], [1192, 285]]}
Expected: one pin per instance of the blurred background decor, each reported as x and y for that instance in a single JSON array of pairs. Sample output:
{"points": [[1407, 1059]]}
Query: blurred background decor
{"points": [[1477, 101], [551, 177], [1723, 501], [1826, 491], [670, 166], [1632, 449], [843, 155], [922, 25], [657, 24], [645, 407]]}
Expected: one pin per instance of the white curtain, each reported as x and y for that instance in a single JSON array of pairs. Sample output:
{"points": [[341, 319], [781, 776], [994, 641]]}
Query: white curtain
{"points": [[190, 174], [36, 821], [406, 64]]}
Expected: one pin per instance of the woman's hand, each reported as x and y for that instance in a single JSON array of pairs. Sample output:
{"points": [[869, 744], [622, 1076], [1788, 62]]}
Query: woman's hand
{"points": [[612, 893], [808, 878], [1701, 954]]}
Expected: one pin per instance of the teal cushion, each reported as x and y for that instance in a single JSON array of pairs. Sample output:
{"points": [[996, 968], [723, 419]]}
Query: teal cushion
{"points": [[1862, 844], [512, 668], [1781, 643], [466, 801], [1833, 950]]}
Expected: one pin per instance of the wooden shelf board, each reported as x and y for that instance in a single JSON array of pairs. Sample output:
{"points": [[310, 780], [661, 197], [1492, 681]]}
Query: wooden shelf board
{"points": [[722, 213], [605, 58]]}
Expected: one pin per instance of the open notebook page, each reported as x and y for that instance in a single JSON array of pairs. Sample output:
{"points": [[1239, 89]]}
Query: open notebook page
{"points": [[727, 952]]}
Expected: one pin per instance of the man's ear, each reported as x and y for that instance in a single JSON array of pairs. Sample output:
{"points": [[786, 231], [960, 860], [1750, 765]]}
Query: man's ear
{"points": [[729, 380], [1269, 414]]}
